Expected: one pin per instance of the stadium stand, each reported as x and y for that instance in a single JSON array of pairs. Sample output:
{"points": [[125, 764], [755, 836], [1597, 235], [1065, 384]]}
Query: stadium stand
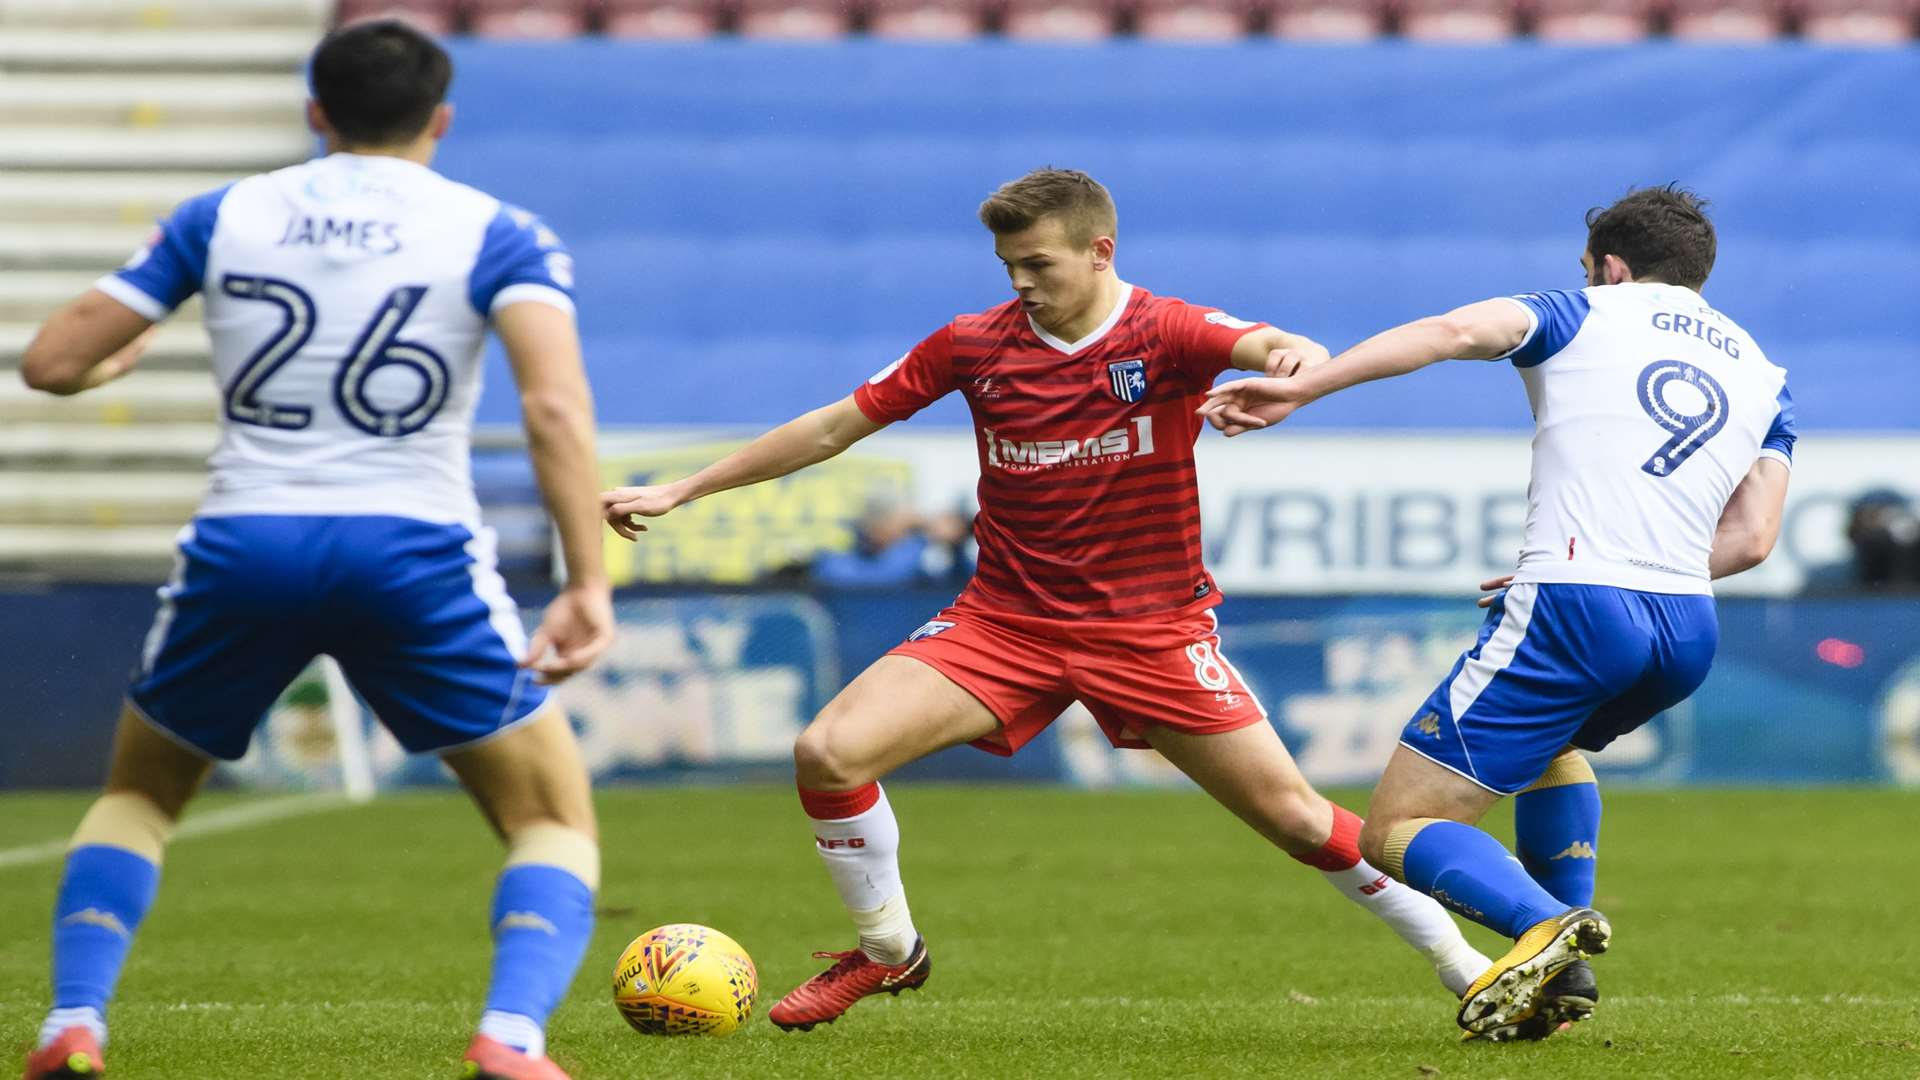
{"points": [[1593, 21], [1328, 20], [1061, 20], [1458, 21], [109, 115], [533, 19], [1853, 22], [1727, 20], [937, 20]]}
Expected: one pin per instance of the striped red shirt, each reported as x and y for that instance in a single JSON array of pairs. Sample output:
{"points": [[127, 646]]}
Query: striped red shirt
{"points": [[1088, 501]]}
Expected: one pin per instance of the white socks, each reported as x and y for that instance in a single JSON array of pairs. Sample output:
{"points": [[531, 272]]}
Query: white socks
{"points": [[861, 851], [515, 1030], [1417, 918], [60, 1020]]}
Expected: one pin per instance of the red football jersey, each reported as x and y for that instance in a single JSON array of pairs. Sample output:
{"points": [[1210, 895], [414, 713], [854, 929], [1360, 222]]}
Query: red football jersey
{"points": [[1088, 503]]}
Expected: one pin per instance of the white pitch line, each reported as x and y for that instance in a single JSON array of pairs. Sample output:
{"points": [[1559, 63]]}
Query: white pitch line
{"points": [[227, 819]]}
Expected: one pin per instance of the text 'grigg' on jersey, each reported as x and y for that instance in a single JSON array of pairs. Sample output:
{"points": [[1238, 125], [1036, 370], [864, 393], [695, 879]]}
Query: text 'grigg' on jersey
{"points": [[347, 300]]}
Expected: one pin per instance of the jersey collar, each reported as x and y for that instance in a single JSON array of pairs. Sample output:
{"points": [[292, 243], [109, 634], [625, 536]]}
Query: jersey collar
{"points": [[1093, 338]]}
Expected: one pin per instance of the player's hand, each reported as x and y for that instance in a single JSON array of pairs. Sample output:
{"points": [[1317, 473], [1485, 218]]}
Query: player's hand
{"points": [[1304, 356], [121, 362], [623, 507], [1492, 589], [575, 629], [1250, 404]]}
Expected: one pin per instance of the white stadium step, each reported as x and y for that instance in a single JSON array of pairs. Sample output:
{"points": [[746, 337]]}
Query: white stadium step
{"points": [[100, 499], [35, 48], [142, 397], [233, 149], [67, 447], [80, 552], [99, 198], [60, 245], [180, 346], [304, 14], [151, 101]]}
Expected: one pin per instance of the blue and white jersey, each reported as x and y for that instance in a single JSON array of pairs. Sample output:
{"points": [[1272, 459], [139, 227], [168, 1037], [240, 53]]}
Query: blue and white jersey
{"points": [[347, 300], [1649, 409]]}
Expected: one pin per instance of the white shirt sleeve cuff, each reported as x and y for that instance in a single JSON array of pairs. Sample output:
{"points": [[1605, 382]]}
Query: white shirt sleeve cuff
{"points": [[1777, 455], [531, 293], [129, 294], [1533, 327]]}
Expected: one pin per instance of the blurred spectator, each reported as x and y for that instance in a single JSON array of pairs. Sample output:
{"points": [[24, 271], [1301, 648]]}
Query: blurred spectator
{"points": [[1884, 533], [896, 546]]}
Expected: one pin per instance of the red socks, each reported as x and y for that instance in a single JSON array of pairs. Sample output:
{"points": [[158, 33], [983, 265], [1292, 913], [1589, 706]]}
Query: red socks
{"points": [[1342, 849]]}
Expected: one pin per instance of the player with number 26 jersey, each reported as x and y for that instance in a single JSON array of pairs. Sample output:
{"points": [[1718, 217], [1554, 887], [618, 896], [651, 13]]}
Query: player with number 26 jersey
{"points": [[347, 300]]}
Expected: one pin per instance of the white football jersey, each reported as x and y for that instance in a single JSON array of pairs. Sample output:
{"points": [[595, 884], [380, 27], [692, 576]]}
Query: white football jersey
{"points": [[1649, 408], [347, 300]]}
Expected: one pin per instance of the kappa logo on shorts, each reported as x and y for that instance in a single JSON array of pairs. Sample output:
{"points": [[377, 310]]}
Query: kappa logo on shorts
{"points": [[1428, 725], [933, 628]]}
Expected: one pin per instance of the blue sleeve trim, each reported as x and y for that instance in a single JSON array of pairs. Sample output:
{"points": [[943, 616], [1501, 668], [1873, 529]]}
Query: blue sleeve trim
{"points": [[517, 250], [174, 265], [1781, 437], [1558, 316]]}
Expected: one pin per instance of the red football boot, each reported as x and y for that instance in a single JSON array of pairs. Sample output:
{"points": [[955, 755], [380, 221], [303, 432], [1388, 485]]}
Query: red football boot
{"points": [[490, 1059], [854, 975], [75, 1053]]}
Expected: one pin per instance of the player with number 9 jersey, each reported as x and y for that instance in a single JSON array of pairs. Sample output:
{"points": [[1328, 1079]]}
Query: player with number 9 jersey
{"points": [[1662, 448]]}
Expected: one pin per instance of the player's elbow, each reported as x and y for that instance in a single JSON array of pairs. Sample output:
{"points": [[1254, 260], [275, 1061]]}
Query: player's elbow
{"points": [[43, 368], [1455, 336], [552, 411]]}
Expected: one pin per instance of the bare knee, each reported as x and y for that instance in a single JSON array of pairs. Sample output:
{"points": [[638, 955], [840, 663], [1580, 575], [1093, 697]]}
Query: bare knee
{"points": [[1373, 839], [1299, 819], [822, 762]]}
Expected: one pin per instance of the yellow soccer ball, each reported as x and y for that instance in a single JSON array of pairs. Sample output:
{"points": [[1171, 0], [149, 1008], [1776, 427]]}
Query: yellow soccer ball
{"points": [[685, 979]]}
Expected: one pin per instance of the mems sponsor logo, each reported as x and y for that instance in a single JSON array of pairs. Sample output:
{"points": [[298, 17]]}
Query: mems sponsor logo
{"points": [[1134, 440]]}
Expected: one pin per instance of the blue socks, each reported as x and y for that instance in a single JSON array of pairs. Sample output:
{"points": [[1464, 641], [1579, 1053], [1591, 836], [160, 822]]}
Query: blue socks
{"points": [[1557, 834], [542, 918], [1471, 873], [104, 894]]}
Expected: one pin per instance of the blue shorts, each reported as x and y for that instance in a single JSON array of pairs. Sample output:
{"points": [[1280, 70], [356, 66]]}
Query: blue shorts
{"points": [[414, 612], [1560, 665]]}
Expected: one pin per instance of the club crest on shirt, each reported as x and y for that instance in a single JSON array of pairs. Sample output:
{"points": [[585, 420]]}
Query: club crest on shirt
{"points": [[1128, 380]]}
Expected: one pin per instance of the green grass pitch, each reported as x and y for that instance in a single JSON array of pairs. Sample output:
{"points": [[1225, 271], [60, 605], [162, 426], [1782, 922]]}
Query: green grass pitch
{"points": [[1109, 934]]}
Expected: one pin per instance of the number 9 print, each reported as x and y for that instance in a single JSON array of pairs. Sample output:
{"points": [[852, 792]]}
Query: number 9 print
{"points": [[1690, 430]]}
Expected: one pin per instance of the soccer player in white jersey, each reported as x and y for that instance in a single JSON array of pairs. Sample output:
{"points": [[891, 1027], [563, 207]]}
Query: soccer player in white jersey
{"points": [[1663, 443], [347, 300]]}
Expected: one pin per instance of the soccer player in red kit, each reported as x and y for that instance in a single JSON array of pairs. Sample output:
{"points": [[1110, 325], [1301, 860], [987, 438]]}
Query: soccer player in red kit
{"points": [[1089, 587]]}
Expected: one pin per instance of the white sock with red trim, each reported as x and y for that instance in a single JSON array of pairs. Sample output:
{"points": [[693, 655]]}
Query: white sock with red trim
{"points": [[859, 840], [1416, 917]]}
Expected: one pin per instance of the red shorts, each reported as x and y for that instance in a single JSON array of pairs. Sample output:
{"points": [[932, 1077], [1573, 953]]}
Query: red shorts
{"points": [[1130, 676]]}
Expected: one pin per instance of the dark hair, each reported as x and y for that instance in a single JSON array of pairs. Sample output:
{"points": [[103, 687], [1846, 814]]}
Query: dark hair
{"points": [[378, 82], [1077, 199], [1662, 233]]}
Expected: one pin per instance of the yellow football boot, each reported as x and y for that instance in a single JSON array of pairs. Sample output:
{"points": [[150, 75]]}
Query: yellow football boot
{"points": [[1509, 992]]}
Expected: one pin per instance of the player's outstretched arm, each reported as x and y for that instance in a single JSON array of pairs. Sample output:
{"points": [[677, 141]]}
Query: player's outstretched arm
{"points": [[794, 445], [1751, 521], [92, 340], [557, 408], [1273, 351], [1481, 331]]}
